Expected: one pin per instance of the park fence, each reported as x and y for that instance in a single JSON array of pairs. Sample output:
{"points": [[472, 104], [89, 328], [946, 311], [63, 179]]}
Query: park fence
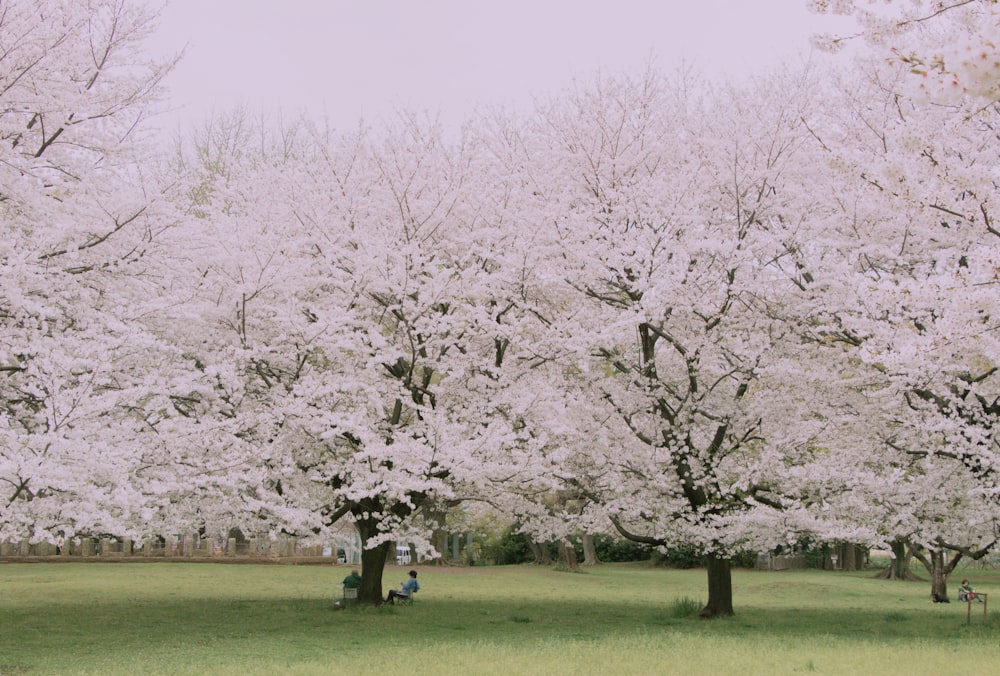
{"points": [[344, 549], [769, 561]]}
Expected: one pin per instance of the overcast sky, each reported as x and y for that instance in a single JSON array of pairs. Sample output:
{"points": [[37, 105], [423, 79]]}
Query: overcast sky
{"points": [[354, 59]]}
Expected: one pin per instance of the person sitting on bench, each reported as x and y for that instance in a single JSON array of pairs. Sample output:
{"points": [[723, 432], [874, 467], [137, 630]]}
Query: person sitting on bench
{"points": [[350, 587]]}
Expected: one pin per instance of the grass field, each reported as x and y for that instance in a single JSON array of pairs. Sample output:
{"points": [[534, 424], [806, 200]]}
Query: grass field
{"points": [[171, 618]]}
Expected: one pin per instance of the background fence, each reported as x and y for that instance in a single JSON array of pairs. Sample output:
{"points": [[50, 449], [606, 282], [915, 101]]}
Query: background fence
{"points": [[345, 549]]}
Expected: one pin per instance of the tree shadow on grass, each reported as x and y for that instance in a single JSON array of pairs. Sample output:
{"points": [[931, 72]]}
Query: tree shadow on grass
{"points": [[130, 623], [308, 627]]}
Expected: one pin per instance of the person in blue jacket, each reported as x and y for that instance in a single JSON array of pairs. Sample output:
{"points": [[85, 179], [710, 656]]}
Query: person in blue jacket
{"points": [[407, 589]]}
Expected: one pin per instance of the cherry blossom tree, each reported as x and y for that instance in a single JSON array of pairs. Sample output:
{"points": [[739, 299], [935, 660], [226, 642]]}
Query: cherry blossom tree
{"points": [[355, 316], [949, 46], [927, 278], [81, 231], [918, 502], [685, 255]]}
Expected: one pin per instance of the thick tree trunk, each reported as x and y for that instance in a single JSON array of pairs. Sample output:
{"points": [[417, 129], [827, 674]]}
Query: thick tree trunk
{"points": [[589, 551], [567, 555], [720, 588], [848, 557], [937, 564], [372, 564], [939, 576], [899, 567]]}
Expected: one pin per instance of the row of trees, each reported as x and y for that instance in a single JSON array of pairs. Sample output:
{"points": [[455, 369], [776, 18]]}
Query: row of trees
{"points": [[709, 316]]}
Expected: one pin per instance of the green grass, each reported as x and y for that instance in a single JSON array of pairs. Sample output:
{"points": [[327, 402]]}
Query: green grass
{"points": [[266, 619]]}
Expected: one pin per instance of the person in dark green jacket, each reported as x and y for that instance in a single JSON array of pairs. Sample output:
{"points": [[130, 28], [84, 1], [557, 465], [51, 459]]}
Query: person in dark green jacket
{"points": [[966, 593], [352, 581]]}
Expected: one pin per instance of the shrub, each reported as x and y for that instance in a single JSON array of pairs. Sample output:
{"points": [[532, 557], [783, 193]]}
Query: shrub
{"points": [[614, 550], [686, 557], [745, 559], [505, 547], [682, 558]]}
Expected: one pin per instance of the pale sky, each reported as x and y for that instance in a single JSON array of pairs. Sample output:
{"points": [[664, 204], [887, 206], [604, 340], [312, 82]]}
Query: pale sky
{"points": [[353, 59]]}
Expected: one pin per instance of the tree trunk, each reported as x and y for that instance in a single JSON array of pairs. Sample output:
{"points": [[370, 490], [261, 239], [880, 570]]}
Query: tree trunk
{"points": [[828, 558], [439, 536], [939, 576], [567, 555], [720, 588], [372, 563], [589, 551], [540, 550], [899, 567], [861, 553], [848, 557], [937, 564], [372, 566]]}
